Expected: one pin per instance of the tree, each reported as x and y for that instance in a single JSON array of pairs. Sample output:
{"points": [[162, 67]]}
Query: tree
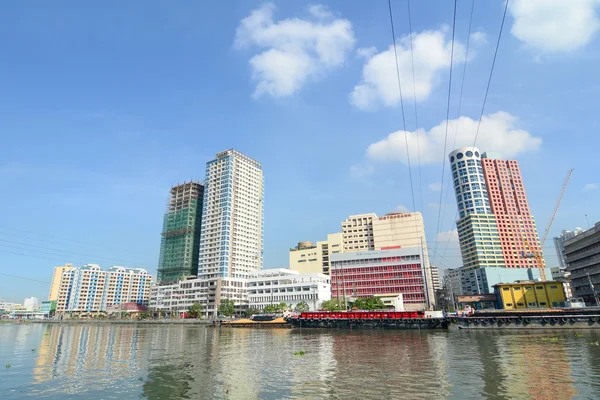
{"points": [[195, 310], [227, 307], [250, 312], [333, 305], [282, 307], [375, 303], [368, 303], [301, 307]]}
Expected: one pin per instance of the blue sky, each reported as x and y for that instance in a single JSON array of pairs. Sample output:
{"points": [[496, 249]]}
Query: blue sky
{"points": [[103, 108]]}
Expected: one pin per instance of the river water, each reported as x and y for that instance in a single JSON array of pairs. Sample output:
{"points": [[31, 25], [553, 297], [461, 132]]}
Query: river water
{"points": [[195, 362]]}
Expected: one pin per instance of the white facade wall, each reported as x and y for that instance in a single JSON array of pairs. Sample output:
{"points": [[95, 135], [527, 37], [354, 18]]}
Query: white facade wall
{"points": [[207, 292], [231, 243], [32, 304], [274, 286]]}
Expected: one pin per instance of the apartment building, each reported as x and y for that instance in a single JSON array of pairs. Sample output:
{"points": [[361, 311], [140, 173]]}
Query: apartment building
{"points": [[55, 283], [231, 239], [583, 262], [90, 289]]}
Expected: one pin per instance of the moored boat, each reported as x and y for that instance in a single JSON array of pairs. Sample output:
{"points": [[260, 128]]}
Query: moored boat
{"points": [[555, 318], [369, 320]]}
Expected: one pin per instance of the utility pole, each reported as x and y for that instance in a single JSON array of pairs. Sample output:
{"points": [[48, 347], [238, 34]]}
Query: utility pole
{"points": [[593, 290]]}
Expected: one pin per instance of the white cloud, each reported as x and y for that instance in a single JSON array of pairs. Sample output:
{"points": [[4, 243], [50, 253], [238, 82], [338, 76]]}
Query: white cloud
{"points": [[379, 84], [498, 134], [590, 186], [551, 26], [435, 186], [401, 208], [449, 236], [319, 11], [478, 38], [366, 52], [292, 51]]}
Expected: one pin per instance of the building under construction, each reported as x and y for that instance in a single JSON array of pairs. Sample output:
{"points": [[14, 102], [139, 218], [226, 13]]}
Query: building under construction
{"points": [[181, 233]]}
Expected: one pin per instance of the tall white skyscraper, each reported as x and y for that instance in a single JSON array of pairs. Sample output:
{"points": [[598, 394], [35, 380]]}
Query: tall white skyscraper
{"points": [[231, 239]]}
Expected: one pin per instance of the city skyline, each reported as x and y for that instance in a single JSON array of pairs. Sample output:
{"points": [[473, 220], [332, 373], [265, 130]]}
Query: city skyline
{"points": [[104, 131]]}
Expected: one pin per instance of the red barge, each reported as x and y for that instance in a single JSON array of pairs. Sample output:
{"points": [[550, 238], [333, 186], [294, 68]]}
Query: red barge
{"points": [[368, 320]]}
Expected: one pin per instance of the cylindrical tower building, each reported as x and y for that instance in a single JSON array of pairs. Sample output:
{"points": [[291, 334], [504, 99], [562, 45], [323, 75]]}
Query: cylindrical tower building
{"points": [[469, 182]]}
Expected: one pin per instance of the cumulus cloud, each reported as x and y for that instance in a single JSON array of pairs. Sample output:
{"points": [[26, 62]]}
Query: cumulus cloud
{"points": [[551, 26], [292, 51], [590, 186], [435, 186], [379, 84], [498, 133]]}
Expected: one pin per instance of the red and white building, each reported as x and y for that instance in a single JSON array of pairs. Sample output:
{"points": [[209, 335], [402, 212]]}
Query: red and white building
{"points": [[394, 274]]}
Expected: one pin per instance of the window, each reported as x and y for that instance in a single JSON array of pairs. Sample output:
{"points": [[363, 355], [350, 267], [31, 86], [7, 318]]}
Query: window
{"points": [[469, 153], [459, 156], [506, 289], [508, 304]]}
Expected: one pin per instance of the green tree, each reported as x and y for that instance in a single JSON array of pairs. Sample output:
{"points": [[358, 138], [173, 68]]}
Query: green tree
{"points": [[282, 307], [227, 307], [368, 303], [195, 310], [250, 312], [333, 305], [271, 308], [301, 307], [374, 303]]}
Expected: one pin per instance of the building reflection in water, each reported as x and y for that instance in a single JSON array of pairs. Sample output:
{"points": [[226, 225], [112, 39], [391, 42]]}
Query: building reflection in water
{"points": [[69, 353], [524, 366]]}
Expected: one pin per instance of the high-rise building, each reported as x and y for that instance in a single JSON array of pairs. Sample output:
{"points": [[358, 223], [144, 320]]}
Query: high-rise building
{"points": [[307, 258], [436, 283], [357, 232], [91, 289], [55, 284], [180, 243], [559, 245], [583, 262], [231, 242], [495, 226]]}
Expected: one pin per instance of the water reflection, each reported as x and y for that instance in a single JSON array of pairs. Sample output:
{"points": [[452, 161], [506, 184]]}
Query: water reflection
{"points": [[190, 362]]}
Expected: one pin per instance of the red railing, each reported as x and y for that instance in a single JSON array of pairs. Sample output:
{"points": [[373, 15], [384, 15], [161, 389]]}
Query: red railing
{"points": [[362, 315]]}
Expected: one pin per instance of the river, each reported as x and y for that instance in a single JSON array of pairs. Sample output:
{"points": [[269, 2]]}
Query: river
{"points": [[57, 361]]}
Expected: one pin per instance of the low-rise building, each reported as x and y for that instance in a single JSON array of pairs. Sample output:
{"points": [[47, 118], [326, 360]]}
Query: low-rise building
{"points": [[529, 294], [385, 273], [48, 308], [279, 285], [89, 289], [208, 292], [582, 254], [32, 304]]}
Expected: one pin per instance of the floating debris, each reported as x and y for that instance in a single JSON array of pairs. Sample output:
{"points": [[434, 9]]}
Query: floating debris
{"points": [[299, 353], [7, 366]]}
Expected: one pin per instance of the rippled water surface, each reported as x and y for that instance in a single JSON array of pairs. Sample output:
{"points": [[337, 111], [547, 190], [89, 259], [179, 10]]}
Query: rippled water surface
{"points": [[194, 362]]}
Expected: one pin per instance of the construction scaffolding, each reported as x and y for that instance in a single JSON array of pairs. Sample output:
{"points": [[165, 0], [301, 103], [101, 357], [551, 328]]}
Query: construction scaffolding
{"points": [[180, 243]]}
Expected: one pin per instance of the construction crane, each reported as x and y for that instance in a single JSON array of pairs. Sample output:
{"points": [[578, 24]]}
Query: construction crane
{"points": [[538, 254]]}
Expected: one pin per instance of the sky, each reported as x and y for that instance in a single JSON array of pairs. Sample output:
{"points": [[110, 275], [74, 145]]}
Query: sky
{"points": [[104, 107]]}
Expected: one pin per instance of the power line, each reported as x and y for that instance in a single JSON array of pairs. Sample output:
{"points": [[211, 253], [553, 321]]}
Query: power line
{"points": [[401, 103], [22, 277], [491, 71], [462, 85], [65, 253], [447, 118], [412, 59]]}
